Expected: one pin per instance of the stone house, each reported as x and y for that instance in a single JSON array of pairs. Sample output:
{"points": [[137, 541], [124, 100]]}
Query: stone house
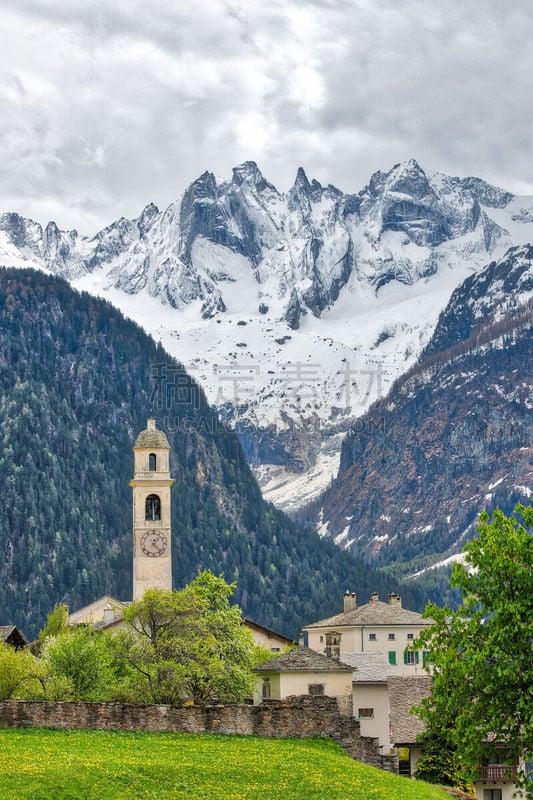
{"points": [[302, 671]]}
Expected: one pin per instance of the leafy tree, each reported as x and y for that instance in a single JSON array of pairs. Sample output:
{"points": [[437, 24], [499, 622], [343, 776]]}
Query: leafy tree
{"points": [[481, 655], [187, 645], [19, 673], [56, 623], [81, 663]]}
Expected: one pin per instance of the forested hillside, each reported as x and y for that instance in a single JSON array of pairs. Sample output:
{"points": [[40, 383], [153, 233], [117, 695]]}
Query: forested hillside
{"points": [[76, 383]]}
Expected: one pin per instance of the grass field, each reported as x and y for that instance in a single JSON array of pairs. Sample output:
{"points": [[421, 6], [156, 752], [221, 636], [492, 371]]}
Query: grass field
{"points": [[102, 765]]}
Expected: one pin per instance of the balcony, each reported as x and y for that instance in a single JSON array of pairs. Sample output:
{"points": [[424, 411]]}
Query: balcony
{"points": [[497, 772]]}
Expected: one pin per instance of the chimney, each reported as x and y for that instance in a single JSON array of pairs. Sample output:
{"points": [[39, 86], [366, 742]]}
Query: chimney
{"points": [[333, 645], [374, 597], [350, 601], [395, 600], [151, 424]]}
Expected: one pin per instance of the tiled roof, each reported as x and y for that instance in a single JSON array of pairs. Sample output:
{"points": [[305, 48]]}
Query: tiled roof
{"points": [[5, 630], [368, 667], [404, 693], [374, 613], [302, 659], [152, 438]]}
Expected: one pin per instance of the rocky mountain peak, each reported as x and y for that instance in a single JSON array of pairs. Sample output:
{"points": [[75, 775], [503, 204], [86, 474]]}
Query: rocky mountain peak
{"points": [[248, 172], [408, 178], [20, 229], [303, 192]]}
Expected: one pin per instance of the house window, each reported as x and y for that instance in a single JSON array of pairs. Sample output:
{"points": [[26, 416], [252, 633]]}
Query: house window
{"points": [[266, 688], [153, 507], [492, 794], [410, 657], [316, 689], [152, 462], [274, 649], [372, 637], [321, 638], [392, 656], [365, 713], [392, 637], [410, 636]]}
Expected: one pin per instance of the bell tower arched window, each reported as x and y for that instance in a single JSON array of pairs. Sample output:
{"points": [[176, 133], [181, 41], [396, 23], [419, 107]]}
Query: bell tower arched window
{"points": [[152, 462], [153, 507]]}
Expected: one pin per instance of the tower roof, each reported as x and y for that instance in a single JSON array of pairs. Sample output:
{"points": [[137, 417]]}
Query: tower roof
{"points": [[152, 438]]}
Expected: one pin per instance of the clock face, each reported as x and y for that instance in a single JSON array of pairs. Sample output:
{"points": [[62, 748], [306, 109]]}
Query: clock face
{"points": [[153, 543]]}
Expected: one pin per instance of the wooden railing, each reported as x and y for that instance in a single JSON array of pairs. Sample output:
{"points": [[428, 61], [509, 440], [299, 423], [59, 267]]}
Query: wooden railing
{"points": [[497, 772]]}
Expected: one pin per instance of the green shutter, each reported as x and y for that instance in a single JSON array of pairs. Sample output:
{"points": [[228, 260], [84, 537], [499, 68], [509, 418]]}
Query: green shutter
{"points": [[416, 656], [405, 653], [392, 656]]}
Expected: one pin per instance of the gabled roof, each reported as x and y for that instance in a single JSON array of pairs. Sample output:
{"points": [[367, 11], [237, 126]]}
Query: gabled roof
{"points": [[368, 667], [373, 613], [406, 691], [10, 634], [105, 602], [267, 631], [302, 659]]}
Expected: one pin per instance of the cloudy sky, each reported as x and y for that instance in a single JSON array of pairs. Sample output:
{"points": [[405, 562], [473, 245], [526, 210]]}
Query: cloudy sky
{"points": [[106, 105]]}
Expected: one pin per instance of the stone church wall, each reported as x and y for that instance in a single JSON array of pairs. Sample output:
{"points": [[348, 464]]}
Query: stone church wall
{"points": [[295, 717]]}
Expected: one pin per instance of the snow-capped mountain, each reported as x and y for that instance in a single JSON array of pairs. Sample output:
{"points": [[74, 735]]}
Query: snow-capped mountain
{"points": [[295, 310]]}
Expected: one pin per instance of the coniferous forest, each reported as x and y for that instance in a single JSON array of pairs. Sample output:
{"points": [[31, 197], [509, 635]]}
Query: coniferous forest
{"points": [[78, 381]]}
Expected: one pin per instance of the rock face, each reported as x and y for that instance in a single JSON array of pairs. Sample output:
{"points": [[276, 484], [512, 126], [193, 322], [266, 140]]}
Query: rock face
{"points": [[351, 285], [453, 437]]}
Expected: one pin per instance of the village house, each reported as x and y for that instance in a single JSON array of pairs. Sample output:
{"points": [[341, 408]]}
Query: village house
{"points": [[303, 671]]}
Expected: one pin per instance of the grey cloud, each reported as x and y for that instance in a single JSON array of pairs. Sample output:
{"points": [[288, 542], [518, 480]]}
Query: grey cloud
{"points": [[107, 105]]}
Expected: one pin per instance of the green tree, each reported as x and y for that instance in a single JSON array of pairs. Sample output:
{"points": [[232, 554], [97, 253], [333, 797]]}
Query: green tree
{"points": [[481, 655], [19, 674], [80, 661], [187, 645], [56, 623]]}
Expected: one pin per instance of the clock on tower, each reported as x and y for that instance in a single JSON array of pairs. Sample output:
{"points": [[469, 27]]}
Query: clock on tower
{"points": [[152, 565]]}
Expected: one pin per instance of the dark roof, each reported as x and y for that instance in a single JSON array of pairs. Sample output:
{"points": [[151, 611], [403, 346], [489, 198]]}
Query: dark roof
{"points": [[268, 631], [10, 634], [406, 691], [152, 438], [373, 613], [302, 659]]}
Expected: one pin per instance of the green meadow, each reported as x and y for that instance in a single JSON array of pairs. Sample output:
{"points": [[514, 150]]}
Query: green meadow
{"points": [[44, 764]]}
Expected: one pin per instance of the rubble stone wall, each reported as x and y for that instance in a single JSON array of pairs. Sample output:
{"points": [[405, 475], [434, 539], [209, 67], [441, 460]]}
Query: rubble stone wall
{"points": [[295, 717]]}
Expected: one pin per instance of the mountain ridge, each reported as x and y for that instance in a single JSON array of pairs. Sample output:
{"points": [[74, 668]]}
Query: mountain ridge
{"points": [[349, 283]]}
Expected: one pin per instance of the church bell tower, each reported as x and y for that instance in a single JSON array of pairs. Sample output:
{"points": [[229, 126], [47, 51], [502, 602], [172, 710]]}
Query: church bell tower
{"points": [[151, 484]]}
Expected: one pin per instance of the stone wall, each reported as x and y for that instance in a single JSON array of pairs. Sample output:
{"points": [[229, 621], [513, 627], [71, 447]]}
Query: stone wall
{"points": [[295, 717]]}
